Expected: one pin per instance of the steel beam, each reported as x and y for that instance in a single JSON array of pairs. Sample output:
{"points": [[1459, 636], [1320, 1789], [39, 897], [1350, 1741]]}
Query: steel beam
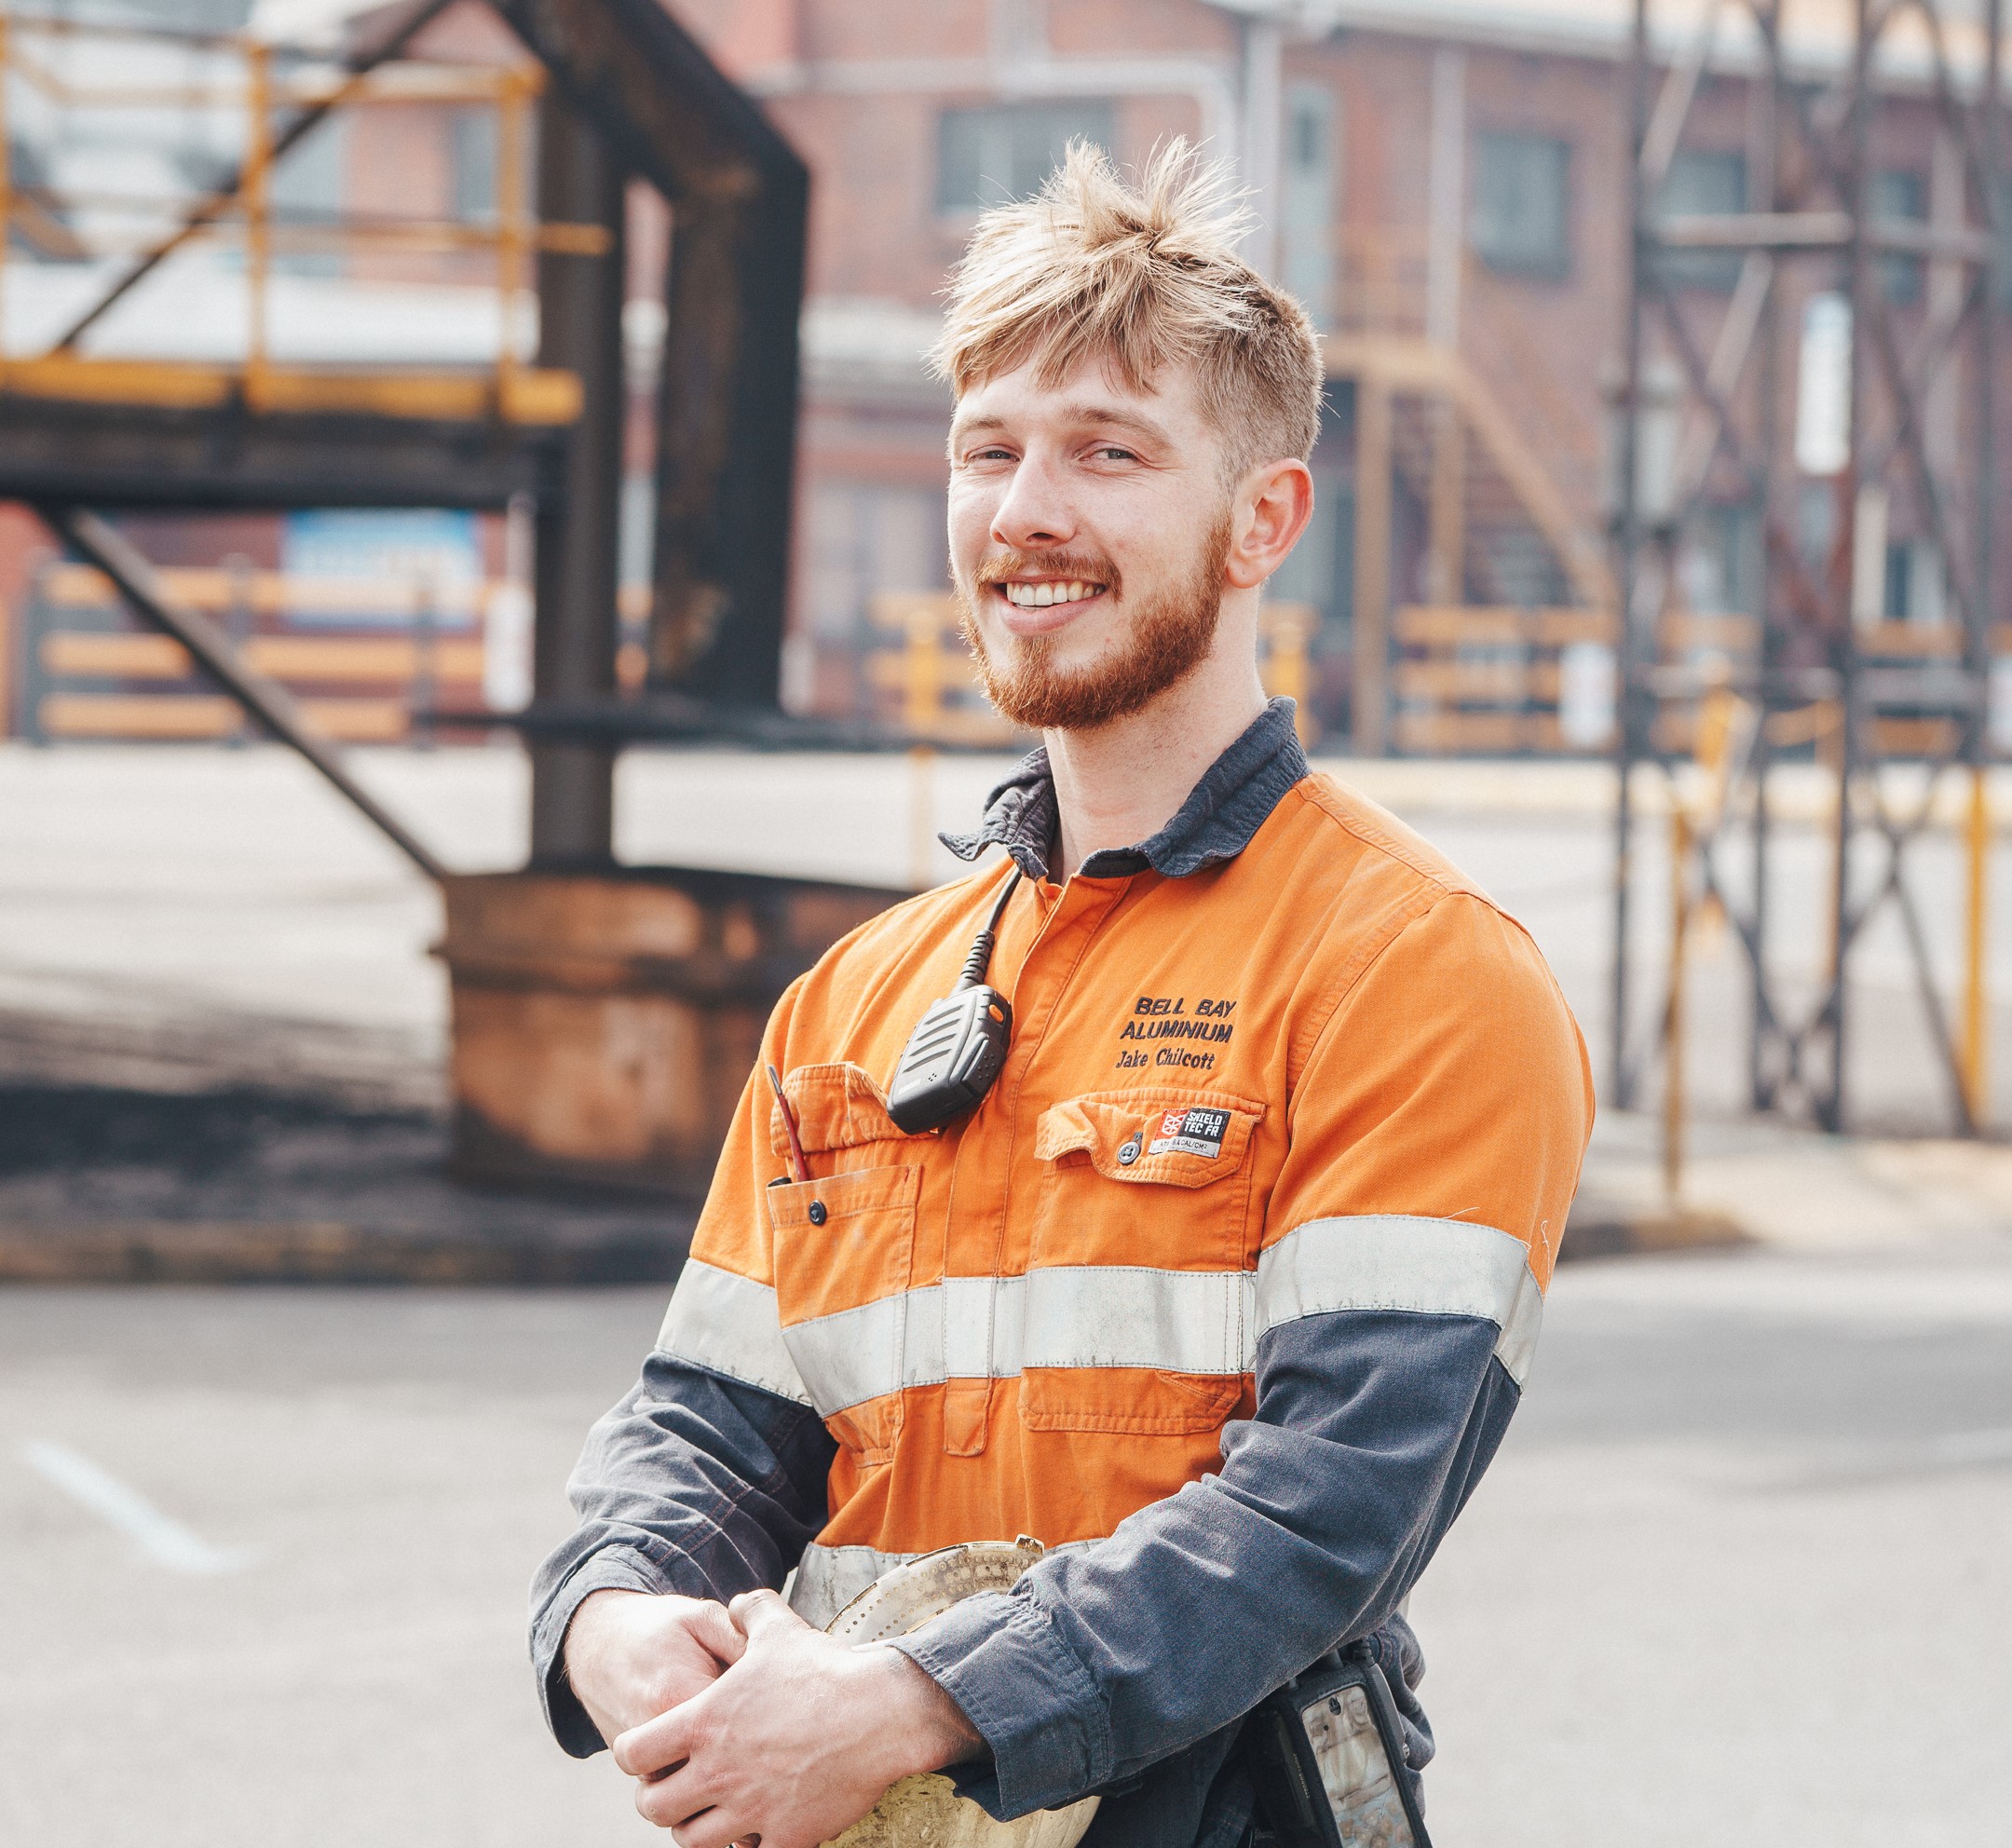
{"points": [[266, 700], [739, 196], [576, 574], [119, 455]]}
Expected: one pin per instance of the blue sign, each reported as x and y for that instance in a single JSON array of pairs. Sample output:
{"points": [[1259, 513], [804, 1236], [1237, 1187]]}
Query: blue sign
{"points": [[381, 567]]}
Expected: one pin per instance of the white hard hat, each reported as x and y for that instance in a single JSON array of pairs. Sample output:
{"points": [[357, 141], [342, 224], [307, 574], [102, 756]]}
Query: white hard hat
{"points": [[926, 1812]]}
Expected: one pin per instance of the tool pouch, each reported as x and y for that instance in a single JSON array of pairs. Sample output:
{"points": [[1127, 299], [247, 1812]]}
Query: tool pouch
{"points": [[1326, 1759]]}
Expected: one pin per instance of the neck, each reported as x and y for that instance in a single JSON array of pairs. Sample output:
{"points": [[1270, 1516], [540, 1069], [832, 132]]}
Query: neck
{"points": [[1122, 783]]}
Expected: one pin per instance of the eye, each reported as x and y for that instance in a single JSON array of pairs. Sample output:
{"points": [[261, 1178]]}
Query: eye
{"points": [[1112, 452]]}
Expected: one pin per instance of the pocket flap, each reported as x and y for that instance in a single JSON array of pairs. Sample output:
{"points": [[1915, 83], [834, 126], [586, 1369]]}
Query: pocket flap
{"points": [[1176, 1137], [839, 1106]]}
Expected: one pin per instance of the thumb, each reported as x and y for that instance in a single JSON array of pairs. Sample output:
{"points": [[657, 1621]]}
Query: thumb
{"points": [[714, 1631], [759, 1615]]}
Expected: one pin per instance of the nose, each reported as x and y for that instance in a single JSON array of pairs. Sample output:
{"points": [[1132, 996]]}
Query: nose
{"points": [[1034, 511]]}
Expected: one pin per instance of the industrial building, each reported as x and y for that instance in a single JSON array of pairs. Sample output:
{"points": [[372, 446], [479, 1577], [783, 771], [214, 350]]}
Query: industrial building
{"points": [[1442, 183]]}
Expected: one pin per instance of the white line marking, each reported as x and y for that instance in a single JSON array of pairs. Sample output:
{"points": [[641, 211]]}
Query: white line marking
{"points": [[164, 1541]]}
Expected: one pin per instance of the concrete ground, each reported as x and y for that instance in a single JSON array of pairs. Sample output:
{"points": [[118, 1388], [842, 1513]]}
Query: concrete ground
{"points": [[1738, 1576], [215, 923]]}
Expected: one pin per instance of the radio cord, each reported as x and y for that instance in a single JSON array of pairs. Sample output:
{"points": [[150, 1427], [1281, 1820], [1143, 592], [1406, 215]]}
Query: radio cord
{"points": [[980, 959]]}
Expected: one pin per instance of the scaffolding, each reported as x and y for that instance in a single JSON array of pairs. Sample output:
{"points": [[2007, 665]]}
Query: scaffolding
{"points": [[1860, 411]]}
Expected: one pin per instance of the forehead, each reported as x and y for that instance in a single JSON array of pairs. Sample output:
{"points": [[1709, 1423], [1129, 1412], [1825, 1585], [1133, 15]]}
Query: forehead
{"points": [[1093, 394]]}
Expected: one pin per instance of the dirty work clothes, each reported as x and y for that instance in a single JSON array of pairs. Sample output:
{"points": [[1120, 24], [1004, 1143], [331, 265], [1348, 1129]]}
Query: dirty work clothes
{"points": [[1226, 1292]]}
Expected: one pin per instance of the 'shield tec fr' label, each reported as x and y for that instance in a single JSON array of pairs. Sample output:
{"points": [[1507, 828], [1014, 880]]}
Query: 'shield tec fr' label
{"points": [[1195, 1132]]}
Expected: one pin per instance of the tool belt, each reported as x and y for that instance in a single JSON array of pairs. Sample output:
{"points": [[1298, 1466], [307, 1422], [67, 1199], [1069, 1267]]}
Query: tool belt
{"points": [[1326, 1759]]}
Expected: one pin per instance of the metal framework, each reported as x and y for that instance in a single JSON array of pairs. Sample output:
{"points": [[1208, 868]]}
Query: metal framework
{"points": [[1918, 390]]}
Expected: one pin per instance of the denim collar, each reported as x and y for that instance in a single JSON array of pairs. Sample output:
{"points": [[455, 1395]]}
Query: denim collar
{"points": [[1239, 789]]}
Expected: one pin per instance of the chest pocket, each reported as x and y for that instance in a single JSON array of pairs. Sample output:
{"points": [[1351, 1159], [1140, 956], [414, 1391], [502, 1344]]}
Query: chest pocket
{"points": [[1138, 1298], [845, 1252]]}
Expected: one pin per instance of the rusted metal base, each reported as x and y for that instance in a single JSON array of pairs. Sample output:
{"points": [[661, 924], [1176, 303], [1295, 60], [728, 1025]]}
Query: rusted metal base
{"points": [[605, 1023]]}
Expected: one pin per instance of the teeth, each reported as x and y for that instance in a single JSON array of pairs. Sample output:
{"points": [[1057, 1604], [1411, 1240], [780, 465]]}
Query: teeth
{"points": [[1040, 596]]}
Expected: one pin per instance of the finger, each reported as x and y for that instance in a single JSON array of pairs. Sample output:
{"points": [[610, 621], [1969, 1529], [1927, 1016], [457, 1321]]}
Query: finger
{"points": [[715, 1633], [761, 1613], [654, 1807], [721, 1827], [675, 1799], [656, 1744]]}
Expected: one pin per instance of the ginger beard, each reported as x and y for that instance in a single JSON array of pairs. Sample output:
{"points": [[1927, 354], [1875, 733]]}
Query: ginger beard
{"points": [[1169, 635]]}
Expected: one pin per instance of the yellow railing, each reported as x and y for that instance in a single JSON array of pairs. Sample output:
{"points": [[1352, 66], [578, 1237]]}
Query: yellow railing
{"points": [[359, 687], [267, 93]]}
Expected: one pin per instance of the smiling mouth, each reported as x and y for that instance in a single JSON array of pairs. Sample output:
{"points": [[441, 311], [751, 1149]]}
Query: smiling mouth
{"points": [[1050, 592]]}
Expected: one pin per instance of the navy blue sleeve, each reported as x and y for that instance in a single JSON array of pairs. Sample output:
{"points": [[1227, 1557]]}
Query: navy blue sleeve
{"points": [[1372, 1427], [693, 1484]]}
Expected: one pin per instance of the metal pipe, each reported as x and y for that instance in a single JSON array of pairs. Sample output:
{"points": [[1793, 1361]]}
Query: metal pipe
{"points": [[1674, 1098], [1764, 183], [1976, 1005], [576, 552], [1976, 640], [1858, 179], [257, 176], [1372, 565], [515, 231], [1629, 548], [266, 699], [6, 178]]}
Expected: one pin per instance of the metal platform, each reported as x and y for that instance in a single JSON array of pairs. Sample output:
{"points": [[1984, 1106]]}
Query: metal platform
{"points": [[226, 454]]}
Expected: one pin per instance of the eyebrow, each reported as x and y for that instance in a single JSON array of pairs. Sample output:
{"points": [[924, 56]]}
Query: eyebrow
{"points": [[1086, 411]]}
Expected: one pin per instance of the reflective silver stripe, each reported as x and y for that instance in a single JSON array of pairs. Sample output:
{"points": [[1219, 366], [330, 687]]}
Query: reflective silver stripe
{"points": [[857, 1354], [1436, 1266], [995, 1327], [732, 1324], [829, 1578], [1114, 1315], [1179, 1321]]}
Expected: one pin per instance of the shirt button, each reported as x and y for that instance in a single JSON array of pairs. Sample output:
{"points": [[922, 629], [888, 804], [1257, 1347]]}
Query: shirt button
{"points": [[819, 1213]]}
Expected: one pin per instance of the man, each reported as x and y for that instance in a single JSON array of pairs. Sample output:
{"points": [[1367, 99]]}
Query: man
{"points": [[1225, 1288]]}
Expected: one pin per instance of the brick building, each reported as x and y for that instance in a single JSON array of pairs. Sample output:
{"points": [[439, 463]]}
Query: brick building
{"points": [[1435, 170]]}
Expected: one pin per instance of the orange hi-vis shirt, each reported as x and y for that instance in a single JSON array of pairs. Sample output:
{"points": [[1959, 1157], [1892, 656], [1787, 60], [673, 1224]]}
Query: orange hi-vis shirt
{"points": [[1040, 1320], [1225, 1292]]}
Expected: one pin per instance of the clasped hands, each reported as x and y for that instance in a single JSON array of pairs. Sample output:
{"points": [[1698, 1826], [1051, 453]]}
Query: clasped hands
{"points": [[741, 1724]]}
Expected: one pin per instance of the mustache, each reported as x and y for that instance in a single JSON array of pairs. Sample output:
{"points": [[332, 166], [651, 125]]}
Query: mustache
{"points": [[1088, 566]]}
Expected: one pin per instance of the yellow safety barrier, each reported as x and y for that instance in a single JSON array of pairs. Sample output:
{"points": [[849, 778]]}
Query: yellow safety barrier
{"points": [[357, 687]]}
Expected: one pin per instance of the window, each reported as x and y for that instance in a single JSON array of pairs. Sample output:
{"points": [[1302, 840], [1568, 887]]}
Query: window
{"points": [[1004, 151], [1522, 216], [1898, 194], [473, 147], [1306, 198], [1703, 183], [307, 189], [2002, 219], [865, 538], [1916, 589], [1719, 561]]}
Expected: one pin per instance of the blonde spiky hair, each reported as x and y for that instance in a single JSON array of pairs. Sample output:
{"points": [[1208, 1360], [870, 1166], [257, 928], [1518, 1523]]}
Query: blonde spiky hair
{"points": [[1143, 278]]}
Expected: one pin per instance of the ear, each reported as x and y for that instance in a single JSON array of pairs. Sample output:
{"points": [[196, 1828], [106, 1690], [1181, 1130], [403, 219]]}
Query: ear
{"points": [[1272, 506]]}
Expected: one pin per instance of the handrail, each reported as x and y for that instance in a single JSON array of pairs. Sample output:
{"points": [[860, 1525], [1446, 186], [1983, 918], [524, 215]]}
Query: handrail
{"points": [[245, 209]]}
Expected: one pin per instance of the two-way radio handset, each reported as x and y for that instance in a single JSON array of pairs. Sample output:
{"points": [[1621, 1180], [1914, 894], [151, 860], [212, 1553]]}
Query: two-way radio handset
{"points": [[957, 1047]]}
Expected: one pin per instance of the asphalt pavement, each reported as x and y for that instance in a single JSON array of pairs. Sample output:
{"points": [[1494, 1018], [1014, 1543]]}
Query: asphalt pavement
{"points": [[1738, 1576]]}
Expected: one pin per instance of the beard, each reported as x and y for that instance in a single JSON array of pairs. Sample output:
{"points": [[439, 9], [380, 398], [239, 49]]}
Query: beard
{"points": [[1168, 637]]}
